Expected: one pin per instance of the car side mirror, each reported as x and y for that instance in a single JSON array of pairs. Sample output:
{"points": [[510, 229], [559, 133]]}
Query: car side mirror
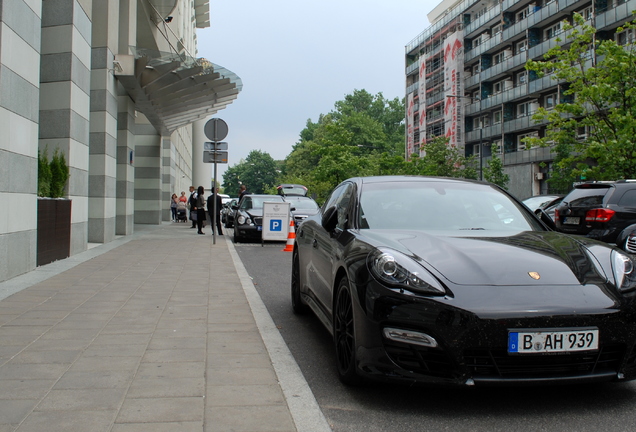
{"points": [[234, 206], [292, 209], [330, 218], [545, 218]]}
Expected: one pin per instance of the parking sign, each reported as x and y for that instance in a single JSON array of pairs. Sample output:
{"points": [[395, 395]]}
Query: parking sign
{"points": [[276, 220]]}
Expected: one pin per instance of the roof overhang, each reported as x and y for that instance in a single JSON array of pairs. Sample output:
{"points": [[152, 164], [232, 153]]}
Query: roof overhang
{"points": [[172, 90]]}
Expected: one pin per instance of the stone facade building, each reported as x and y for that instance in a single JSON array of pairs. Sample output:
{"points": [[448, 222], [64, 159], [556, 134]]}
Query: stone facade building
{"points": [[116, 86]]}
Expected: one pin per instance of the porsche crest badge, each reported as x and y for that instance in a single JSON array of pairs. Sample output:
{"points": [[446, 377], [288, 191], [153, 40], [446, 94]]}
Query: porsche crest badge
{"points": [[534, 275]]}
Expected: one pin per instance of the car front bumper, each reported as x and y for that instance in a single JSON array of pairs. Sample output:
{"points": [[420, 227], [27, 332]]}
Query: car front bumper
{"points": [[473, 350]]}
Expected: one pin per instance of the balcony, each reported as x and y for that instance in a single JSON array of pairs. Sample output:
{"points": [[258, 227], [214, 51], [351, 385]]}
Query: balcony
{"points": [[541, 84], [543, 14], [519, 124], [614, 16], [504, 68], [484, 47], [490, 15]]}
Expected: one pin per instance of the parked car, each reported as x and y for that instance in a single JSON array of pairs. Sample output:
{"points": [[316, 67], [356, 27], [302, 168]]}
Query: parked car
{"points": [[291, 189], [547, 203], [227, 213], [598, 210], [446, 291], [302, 207], [248, 216]]}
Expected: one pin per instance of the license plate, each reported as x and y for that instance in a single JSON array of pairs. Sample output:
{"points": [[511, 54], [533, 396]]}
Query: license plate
{"points": [[533, 341], [570, 220], [259, 228]]}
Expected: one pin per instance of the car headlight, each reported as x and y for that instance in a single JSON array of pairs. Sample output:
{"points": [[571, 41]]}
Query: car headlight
{"points": [[397, 270], [624, 271], [242, 220]]}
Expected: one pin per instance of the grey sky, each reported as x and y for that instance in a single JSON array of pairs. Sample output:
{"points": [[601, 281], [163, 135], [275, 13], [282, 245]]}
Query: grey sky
{"points": [[297, 58]]}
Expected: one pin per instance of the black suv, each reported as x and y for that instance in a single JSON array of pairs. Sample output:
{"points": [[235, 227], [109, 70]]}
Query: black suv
{"points": [[599, 210]]}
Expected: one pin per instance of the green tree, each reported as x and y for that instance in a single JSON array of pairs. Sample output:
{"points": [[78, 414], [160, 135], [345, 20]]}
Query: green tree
{"points": [[598, 95], [494, 171], [442, 160], [363, 135], [259, 172]]}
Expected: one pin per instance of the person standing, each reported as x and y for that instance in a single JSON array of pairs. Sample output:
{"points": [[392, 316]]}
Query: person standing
{"points": [[200, 209], [242, 191], [192, 203], [211, 209], [174, 200]]}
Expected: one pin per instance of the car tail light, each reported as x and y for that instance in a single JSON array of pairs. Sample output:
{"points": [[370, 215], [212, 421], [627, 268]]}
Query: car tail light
{"points": [[599, 215], [556, 215]]}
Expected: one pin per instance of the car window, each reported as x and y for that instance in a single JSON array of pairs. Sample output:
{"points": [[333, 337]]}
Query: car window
{"points": [[340, 197], [441, 206], [628, 199], [586, 197]]}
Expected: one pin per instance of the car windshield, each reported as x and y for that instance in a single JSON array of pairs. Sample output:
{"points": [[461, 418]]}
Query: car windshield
{"points": [[437, 205], [256, 202], [304, 204]]}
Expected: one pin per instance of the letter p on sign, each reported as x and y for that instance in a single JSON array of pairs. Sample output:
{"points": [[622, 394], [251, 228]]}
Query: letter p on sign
{"points": [[276, 225]]}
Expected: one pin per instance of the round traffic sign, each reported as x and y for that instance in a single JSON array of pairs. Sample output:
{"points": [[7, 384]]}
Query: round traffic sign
{"points": [[215, 129]]}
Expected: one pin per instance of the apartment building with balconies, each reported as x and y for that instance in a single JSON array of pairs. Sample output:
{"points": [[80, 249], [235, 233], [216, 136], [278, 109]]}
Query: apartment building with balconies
{"points": [[466, 78]]}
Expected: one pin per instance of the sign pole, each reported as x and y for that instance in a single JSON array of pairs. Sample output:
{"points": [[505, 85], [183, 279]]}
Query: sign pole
{"points": [[214, 214]]}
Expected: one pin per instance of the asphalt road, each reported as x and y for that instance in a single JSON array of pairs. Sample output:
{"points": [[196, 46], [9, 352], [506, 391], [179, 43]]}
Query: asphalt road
{"points": [[382, 407]]}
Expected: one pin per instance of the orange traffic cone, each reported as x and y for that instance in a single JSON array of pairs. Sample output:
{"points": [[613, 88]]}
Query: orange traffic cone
{"points": [[291, 237]]}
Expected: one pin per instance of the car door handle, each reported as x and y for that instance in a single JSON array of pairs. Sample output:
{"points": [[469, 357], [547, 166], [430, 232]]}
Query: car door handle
{"points": [[315, 243]]}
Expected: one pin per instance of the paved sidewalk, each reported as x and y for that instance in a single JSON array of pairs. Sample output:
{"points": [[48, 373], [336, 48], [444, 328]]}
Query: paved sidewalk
{"points": [[159, 331]]}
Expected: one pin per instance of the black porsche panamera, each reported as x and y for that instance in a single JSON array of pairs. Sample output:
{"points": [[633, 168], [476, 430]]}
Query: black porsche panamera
{"points": [[449, 281]]}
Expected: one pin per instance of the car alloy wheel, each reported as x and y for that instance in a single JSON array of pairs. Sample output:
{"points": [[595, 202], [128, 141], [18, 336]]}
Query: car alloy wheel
{"points": [[297, 303], [344, 336]]}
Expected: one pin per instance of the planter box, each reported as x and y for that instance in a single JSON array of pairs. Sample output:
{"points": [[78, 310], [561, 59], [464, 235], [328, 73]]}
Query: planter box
{"points": [[54, 230]]}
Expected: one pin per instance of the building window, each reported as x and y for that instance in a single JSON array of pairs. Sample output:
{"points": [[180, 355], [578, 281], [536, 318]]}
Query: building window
{"points": [[499, 57], [521, 145], [526, 109], [481, 122], [522, 14], [498, 87], [522, 78], [625, 37], [476, 69], [496, 117], [550, 101], [552, 31], [496, 147], [476, 149], [521, 46], [587, 13], [496, 29]]}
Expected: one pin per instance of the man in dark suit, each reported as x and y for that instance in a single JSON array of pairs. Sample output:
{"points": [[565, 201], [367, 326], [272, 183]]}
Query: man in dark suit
{"points": [[211, 209]]}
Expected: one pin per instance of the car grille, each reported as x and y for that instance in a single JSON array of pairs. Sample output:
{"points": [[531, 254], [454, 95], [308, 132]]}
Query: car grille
{"points": [[498, 363], [630, 246], [428, 361], [258, 221]]}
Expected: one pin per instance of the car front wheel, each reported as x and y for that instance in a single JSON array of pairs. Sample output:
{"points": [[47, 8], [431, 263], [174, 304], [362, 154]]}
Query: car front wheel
{"points": [[344, 335]]}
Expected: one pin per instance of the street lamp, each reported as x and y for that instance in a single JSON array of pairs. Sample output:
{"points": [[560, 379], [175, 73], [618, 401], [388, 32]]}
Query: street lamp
{"points": [[481, 133]]}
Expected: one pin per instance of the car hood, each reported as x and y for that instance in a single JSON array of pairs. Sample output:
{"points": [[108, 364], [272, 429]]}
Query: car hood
{"points": [[516, 260]]}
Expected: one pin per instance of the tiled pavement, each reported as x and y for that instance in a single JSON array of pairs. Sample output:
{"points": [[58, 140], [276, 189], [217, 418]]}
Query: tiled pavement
{"points": [[159, 331]]}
